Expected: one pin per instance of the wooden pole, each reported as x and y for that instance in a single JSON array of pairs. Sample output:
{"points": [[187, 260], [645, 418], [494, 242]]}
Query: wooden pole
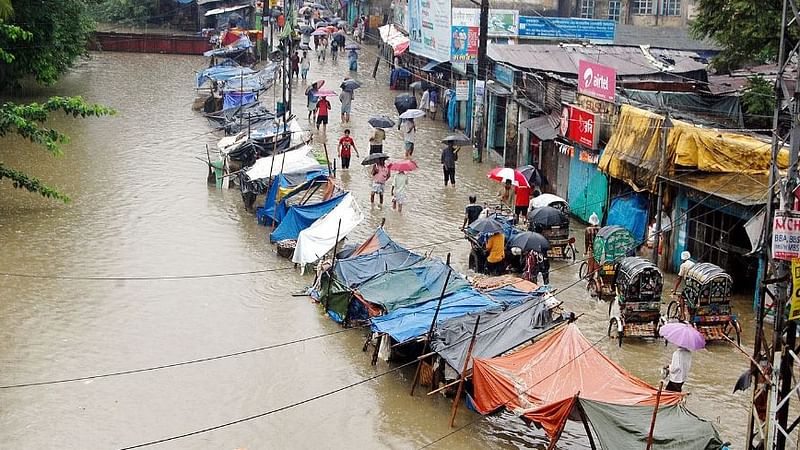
{"points": [[433, 324], [377, 349], [327, 159], [336, 243], [464, 373], [655, 413], [277, 191]]}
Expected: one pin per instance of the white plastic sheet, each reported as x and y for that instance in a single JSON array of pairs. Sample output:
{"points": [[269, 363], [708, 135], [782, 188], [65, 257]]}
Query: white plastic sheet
{"points": [[294, 161], [318, 239]]}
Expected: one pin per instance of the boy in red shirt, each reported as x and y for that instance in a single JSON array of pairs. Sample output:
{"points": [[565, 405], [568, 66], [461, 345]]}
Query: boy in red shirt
{"points": [[323, 107], [346, 143]]}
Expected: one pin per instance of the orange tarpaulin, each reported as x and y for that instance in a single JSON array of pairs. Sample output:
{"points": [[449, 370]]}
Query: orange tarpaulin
{"points": [[541, 381]]}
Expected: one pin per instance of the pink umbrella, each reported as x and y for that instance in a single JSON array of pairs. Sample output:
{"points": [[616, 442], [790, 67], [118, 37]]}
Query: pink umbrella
{"points": [[405, 165], [326, 93], [502, 174], [682, 335]]}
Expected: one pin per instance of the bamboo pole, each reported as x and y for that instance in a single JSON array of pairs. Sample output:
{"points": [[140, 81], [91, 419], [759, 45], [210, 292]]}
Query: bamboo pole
{"points": [[655, 413], [433, 324], [277, 191], [585, 421], [463, 373]]}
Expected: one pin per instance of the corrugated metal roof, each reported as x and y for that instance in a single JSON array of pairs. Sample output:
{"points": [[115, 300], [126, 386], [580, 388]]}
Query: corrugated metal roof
{"points": [[744, 189], [662, 37], [627, 61], [544, 127]]}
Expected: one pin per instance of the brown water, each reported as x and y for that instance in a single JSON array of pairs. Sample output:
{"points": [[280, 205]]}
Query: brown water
{"points": [[141, 207]]}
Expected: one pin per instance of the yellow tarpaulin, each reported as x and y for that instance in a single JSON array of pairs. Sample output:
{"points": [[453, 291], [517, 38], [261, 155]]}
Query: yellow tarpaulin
{"points": [[632, 153]]}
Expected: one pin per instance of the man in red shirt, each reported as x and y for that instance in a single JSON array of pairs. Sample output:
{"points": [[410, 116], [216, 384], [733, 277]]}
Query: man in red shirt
{"points": [[346, 144], [323, 107], [522, 201]]}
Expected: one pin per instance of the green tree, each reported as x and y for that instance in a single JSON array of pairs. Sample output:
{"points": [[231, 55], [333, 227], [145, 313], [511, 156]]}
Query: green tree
{"points": [[748, 30], [29, 120], [135, 12], [758, 100]]}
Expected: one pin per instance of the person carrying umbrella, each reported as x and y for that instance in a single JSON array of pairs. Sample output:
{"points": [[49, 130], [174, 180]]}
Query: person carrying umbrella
{"points": [[448, 159], [346, 97], [399, 188], [346, 146], [380, 175], [334, 48], [352, 58], [678, 369], [409, 129], [311, 95], [376, 140], [322, 48]]}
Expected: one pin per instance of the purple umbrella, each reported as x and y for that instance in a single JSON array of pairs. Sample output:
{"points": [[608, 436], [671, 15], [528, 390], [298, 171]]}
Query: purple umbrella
{"points": [[683, 335]]}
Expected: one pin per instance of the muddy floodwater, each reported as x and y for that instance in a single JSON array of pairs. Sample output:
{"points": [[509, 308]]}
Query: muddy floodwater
{"points": [[141, 208]]}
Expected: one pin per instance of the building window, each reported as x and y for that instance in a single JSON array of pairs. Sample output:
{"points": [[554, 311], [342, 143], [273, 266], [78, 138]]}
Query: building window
{"points": [[643, 7], [671, 8], [587, 9], [614, 8]]}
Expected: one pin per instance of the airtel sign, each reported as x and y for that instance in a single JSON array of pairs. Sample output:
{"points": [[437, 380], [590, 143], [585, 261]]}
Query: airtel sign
{"points": [[579, 125], [596, 80]]}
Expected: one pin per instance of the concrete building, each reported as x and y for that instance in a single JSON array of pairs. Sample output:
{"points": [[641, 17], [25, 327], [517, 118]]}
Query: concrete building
{"points": [[665, 13]]}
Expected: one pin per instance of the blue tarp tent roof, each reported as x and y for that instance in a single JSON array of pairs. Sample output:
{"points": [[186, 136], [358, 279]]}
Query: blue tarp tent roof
{"points": [[266, 214], [629, 212], [390, 256], [301, 217]]}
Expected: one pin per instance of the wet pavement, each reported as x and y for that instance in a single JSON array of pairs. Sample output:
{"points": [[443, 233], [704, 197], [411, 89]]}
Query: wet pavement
{"points": [[141, 208]]}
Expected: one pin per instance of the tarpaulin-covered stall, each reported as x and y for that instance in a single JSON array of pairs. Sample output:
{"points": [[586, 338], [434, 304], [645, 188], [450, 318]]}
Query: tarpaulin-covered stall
{"points": [[300, 160], [300, 217], [320, 238], [541, 381]]}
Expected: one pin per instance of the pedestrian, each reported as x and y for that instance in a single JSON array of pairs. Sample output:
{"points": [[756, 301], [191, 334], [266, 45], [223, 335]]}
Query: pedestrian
{"points": [[305, 40], [352, 58], [346, 97], [339, 37], [316, 43], [536, 263], [508, 195], [346, 146], [305, 64], [295, 60], [678, 369], [588, 241], [433, 102], [449, 158], [323, 108], [496, 249], [376, 141], [425, 100], [409, 129], [311, 95], [334, 49], [686, 265], [472, 211], [380, 175], [523, 198], [399, 186], [322, 48]]}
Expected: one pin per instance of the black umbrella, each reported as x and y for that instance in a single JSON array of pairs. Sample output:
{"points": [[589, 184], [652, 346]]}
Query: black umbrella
{"points": [[531, 174], [530, 241], [381, 122], [546, 217], [305, 29], [486, 225], [458, 140], [404, 102], [743, 383], [373, 158], [350, 85], [321, 24], [352, 47]]}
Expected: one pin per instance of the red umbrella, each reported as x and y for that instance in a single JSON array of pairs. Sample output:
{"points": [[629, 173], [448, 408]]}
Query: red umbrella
{"points": [[501, 174], [330, 28], [404, 165]]}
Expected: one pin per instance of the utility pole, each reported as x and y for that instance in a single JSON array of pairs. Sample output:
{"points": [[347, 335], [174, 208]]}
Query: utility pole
{"points": [[665, 126], [483, 69], [768, 425]]}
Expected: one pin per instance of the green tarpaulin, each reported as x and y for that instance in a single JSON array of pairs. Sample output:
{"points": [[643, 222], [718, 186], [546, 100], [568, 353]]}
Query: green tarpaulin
{"points": [[618, 427]]}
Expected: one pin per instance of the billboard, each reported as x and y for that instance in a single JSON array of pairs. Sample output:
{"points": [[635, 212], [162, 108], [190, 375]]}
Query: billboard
{"points": [[464, 44], [597, 80], [429, 28], [502, 22], [579, 126], [399, 13], [593, 30]]}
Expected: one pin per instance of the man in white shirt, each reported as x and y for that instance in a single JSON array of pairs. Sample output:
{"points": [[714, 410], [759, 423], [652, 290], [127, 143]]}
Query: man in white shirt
{"points": [[686, 266], [679, 369], [409, 129]]}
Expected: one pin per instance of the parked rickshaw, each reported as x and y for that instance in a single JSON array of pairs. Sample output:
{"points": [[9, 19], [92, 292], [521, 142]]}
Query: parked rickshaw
{"points": [[497, 218], [705, 302], [636, 308], [553, 224], [611, 244]]}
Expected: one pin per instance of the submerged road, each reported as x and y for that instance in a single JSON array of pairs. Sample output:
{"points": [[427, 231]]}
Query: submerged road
{"points": [[141, 209]]}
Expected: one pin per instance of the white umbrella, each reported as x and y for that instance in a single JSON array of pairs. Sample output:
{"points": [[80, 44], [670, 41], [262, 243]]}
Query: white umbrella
{"points": [[412, 114], [546, 200]]}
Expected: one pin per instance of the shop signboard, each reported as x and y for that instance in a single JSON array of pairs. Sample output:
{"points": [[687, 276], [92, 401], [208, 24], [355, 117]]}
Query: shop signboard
{"points": [[429, 28], [399, 13], [786, 235], [502, 22], [462, 90], [794, 311], [578, 125], [592, 30], [597, 80], [463, 44], [504, 75]]}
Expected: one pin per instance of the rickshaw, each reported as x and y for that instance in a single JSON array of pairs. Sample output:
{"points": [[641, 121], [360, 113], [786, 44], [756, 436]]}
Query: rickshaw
{"points": [[610, 244], [705, 302], [636, 308], [553, 224], [477, 238]]}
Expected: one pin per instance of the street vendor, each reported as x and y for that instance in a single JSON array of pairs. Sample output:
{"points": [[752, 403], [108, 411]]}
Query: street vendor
{"points": [[496, 249]]}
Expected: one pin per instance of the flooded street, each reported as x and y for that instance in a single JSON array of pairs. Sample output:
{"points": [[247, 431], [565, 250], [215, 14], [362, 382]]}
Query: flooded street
{"points": [[142, 209]]}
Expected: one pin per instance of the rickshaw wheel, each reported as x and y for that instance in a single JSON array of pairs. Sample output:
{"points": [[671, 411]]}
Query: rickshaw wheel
{"points": [[613, 331], [569, 253], [673, 310], [583, 271], [591, 287], [734, 327]]}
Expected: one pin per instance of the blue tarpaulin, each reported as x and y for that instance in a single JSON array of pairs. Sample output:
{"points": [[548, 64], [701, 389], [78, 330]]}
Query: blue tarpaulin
{"points": [[267, 213], [301, 217], [629, 212], [407, 323], [222, 72], [389, 256], [236, 99]]}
